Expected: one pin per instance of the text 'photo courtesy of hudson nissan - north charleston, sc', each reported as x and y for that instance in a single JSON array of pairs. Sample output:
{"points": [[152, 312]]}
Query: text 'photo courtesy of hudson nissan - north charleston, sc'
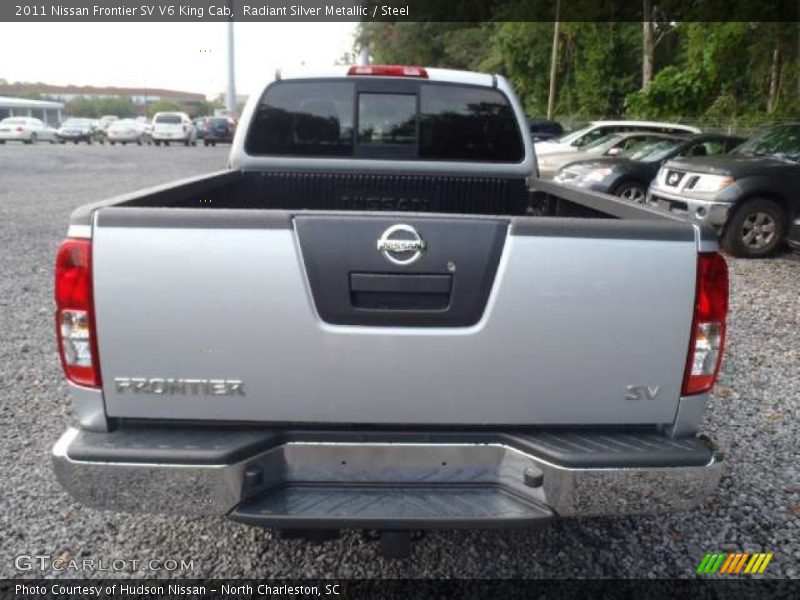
{"points": [[510, 351]]}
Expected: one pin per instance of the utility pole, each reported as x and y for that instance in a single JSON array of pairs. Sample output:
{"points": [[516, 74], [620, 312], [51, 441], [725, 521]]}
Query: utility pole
{"points": [[551, 98], [230, 99], [363, 56], [648, 46]]}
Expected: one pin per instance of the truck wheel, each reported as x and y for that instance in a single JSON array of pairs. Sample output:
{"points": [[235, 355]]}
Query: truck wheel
{"points": [[205, 143], [157, 142], [114, 143], [756, 229], [632, 191]]}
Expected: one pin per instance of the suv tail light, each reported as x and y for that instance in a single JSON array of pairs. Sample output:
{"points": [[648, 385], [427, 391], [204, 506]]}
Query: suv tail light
{"points": [[708, 325], [75, 328], [388, 71]]}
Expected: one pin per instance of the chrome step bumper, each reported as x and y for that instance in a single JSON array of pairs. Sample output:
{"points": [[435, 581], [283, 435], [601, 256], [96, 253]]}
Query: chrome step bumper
{"points": [[445, 481]]}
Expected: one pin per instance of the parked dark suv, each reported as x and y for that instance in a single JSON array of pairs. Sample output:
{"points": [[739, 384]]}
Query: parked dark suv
{"points": [[219, 129], [752, 195]]}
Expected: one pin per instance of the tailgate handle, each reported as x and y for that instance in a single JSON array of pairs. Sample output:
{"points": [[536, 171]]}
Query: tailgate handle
{"points": [[378, 291]]}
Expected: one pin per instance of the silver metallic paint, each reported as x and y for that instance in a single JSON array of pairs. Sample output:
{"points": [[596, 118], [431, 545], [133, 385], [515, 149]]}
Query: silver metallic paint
{"points": [[217, 489], [569, 324]]}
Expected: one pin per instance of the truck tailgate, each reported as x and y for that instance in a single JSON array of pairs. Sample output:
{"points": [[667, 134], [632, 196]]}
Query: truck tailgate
{"points": [[257, 315]]}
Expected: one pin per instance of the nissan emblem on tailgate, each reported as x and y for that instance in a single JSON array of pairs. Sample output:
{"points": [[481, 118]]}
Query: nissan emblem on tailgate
{"points": [[401, 244]]}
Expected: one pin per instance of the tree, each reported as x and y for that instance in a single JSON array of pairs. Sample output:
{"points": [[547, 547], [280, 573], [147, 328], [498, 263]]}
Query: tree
{"points": [[648, 45], [163, 106], [97, 107], [551, 94], [658, 68]]}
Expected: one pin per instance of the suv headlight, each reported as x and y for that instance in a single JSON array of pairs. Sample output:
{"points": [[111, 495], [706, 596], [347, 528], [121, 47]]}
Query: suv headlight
{"points": [[711, 183]]}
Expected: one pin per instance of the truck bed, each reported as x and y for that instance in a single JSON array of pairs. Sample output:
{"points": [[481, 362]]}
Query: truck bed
{"points": [[223, 278]]}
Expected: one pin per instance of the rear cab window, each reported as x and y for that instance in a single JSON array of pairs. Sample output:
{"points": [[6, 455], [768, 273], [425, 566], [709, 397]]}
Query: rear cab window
{"points": [[168, 119], [380, 119]]}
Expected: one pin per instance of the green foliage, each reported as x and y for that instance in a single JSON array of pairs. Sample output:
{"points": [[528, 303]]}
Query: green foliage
{"points": [[97, 107], [163, 106], [720, 71]]}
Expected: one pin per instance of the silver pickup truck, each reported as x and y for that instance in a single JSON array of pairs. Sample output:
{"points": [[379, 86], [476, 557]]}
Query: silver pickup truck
{"points": [[379, 318]]}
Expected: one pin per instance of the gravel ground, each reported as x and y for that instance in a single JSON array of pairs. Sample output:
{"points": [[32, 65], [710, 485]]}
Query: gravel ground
{"points": [[753, 415]]}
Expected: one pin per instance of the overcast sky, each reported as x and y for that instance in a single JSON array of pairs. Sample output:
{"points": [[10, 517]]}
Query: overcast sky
{"points": [[183, 56]]}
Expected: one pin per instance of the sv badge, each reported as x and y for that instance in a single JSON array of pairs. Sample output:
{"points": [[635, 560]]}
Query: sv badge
{"points": [[642, 392]]}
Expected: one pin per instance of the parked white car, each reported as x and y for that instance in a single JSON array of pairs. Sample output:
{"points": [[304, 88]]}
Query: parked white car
{"points": [[597, 129], [127, 131], [26, 130], [173, 127]]}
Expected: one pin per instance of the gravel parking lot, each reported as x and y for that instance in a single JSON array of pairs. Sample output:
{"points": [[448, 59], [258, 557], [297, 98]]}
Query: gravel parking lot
{"points": [[754, 416]]}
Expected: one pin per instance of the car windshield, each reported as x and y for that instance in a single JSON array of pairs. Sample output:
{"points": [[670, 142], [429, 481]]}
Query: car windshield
{"points": [[572, 135], [653, 151], [782, 141], [77, 123], [168, 119], [602, 143]]}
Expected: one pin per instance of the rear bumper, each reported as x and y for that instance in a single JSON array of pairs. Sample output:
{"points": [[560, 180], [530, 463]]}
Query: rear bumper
{"points": [[392, 481], [169, 137], [13, 136]]}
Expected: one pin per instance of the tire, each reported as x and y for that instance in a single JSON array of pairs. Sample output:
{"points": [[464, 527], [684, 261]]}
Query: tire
{"points": [[166, 144], [632, 191], [205, 143], [187, 143], [756, 229], [114, 143], [30, 140], [2, 142], [76, 142], [156, 142]]}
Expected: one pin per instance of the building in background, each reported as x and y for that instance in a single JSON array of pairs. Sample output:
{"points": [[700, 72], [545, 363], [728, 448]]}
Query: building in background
{"points": [[47, 110], [141, 97]]}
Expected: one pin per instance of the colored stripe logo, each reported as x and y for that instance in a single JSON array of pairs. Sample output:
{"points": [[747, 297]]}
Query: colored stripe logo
{"points": [[734, 563]]}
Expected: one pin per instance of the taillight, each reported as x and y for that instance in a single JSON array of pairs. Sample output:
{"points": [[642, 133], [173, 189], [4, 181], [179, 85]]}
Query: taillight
{"points": [[708, 325], [77, 342], [20, 129], [388, 71]]}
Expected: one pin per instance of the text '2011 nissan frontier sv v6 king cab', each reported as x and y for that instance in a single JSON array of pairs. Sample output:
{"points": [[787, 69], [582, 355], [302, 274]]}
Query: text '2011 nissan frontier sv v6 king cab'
{"points": [[379, 318]]}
